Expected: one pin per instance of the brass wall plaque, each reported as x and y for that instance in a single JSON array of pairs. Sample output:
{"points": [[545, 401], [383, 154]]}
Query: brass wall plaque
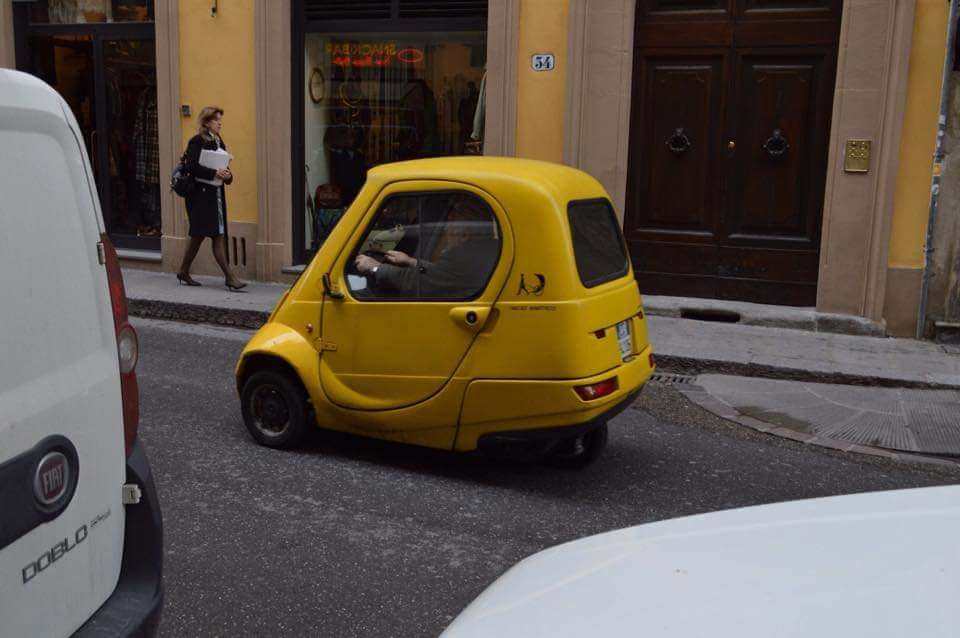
{"points": [[856, 159]]}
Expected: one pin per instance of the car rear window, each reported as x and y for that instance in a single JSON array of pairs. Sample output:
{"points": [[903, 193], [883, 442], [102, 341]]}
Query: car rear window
{"points": [[597, 242]]}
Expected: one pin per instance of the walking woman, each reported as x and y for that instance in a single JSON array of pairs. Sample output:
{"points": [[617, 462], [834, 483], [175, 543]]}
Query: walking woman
{"points": [[206, 203]]}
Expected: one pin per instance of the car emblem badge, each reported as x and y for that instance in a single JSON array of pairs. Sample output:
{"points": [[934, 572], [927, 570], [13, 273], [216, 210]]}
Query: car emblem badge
{"points": [[52, 478]]}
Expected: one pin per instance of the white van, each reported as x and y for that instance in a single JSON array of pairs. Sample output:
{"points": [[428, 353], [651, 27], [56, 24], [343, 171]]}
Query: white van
{"points": [[80, 526]]}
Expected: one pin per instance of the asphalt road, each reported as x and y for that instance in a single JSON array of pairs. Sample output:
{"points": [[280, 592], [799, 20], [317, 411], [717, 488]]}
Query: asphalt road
{"points": [[351, 537]]}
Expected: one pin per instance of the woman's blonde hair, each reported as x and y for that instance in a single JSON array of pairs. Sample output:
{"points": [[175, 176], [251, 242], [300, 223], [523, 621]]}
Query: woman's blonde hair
{"points": [[207, 113]]}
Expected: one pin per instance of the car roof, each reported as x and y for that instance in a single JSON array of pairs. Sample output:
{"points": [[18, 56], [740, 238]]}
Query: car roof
{"points": [[876, 564], [496, 175]]}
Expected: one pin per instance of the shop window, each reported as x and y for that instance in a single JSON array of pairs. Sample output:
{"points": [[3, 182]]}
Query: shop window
{"points": [[436, 246], [373, 98], [90, 11], [100, 56]]}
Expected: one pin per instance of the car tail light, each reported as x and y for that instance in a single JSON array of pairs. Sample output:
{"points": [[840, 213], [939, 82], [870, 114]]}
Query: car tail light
{"points": [[128, 347], [653, 363], [597, 390]]}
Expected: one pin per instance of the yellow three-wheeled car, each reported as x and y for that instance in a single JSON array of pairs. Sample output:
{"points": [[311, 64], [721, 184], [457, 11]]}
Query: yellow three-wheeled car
{"points": [[459, 303]]}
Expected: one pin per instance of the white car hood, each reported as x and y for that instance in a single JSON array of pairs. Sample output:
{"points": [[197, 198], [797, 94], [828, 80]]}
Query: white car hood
{"points": [[878, 564]]}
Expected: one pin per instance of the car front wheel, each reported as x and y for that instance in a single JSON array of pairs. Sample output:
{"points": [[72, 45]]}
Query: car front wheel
{"points": [[274, 409]]}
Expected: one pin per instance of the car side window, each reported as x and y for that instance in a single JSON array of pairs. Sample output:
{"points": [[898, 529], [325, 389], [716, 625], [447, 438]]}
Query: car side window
{"points": [[426, 246]]}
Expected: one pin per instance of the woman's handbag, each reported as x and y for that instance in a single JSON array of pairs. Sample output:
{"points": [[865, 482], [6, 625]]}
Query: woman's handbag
{"points": [[181, 181]]}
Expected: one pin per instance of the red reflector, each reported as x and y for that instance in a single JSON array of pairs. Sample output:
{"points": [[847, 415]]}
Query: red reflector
{"points": [[597, 390], [652, 362], [640, 314], [127, 346], [600, 334]]}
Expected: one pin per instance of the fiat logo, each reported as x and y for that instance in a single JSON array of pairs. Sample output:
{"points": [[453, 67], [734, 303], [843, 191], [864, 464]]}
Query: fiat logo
{"points": [[52, 478]]}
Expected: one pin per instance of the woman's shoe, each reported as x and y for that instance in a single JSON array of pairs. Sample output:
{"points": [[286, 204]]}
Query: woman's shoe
{"points": [[235, 286], [187, 280]]}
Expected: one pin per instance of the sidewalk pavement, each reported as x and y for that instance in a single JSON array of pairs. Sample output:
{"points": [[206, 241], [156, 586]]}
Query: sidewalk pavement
{"points": [[913, 406], [896, 423]]}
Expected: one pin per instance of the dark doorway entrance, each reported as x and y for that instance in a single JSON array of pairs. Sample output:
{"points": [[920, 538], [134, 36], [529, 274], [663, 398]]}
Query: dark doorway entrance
{"points": [[101, 58], [729, 136]]}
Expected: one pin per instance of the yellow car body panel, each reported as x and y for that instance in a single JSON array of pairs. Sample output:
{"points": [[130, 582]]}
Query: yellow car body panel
{"points": [[510, 405], [416, 371]]}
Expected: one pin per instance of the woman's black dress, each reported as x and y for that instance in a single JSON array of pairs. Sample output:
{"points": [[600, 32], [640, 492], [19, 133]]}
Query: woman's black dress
{"points": [[206, 204]]}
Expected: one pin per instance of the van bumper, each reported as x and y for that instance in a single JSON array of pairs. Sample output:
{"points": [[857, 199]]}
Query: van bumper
{"points": [[548, 409], [134, 607]]}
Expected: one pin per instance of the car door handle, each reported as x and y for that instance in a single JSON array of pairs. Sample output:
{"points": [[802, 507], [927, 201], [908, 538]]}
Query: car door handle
{"points": [[472, 317]]}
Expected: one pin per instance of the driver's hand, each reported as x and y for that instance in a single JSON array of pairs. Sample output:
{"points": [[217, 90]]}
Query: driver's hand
{"points": [[399, 258], [365, 263]]}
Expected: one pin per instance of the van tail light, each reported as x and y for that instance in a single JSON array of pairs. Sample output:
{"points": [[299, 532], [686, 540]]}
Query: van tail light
{"points": [[128, 346], [596, 391]]}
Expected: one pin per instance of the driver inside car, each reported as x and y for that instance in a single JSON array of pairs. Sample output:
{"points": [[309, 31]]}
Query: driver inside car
{"points": [[469, 251]]}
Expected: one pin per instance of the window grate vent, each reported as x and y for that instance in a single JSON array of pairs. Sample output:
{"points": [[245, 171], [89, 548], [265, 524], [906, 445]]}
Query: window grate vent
{"points": [[347, 9], [393, 9], [672, 379], [443, 9]]}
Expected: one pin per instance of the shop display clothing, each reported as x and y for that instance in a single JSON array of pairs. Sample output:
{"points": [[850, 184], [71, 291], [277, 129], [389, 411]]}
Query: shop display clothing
{"points": [[146, 153], [481, 112], [146, 139]]}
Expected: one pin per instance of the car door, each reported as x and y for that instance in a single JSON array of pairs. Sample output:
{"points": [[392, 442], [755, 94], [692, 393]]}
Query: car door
{"points": [[398, 335]]}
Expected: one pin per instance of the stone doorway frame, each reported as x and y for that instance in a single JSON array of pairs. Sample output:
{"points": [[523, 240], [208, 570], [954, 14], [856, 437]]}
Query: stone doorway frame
{"points": [[869, 98]]}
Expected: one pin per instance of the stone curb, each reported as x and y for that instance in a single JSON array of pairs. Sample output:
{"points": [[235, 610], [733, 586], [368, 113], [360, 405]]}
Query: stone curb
{"points": [[153, 309], [701, 397], [766, 316], [693, 367], [196, 313]]}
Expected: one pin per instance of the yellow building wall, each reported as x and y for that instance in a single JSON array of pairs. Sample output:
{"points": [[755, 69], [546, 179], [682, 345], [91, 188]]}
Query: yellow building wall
{"points": [[541, 95], [217, 68], [912, 199]]}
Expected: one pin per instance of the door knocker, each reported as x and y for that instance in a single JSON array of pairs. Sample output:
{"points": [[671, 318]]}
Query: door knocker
{"points": [[678, 142], [776, 145]]}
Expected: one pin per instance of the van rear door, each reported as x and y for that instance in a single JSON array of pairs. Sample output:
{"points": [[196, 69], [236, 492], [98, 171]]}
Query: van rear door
{"points": [[62, 460]]}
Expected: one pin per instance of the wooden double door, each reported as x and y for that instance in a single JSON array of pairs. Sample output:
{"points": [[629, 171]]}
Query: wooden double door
{"points": [[730, 127]]}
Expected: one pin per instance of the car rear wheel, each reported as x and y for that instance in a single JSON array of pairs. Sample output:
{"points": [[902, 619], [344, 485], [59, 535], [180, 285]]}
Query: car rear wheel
{"points": [[579, 451], [274, 409]]}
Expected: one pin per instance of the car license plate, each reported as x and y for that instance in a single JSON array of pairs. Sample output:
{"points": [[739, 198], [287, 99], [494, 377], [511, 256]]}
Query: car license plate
{"points": [[623, 338]]}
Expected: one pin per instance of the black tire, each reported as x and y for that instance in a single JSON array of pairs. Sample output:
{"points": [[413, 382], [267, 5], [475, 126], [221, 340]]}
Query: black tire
{"points": [[274, 409], [579, 451]]}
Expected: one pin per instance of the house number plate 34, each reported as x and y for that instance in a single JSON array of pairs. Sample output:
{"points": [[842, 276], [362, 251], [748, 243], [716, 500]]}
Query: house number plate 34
{"points": [[543, 62]]}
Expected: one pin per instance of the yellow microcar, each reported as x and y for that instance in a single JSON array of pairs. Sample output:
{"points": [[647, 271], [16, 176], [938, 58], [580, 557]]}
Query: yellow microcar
{"points": [[460, 303]]}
